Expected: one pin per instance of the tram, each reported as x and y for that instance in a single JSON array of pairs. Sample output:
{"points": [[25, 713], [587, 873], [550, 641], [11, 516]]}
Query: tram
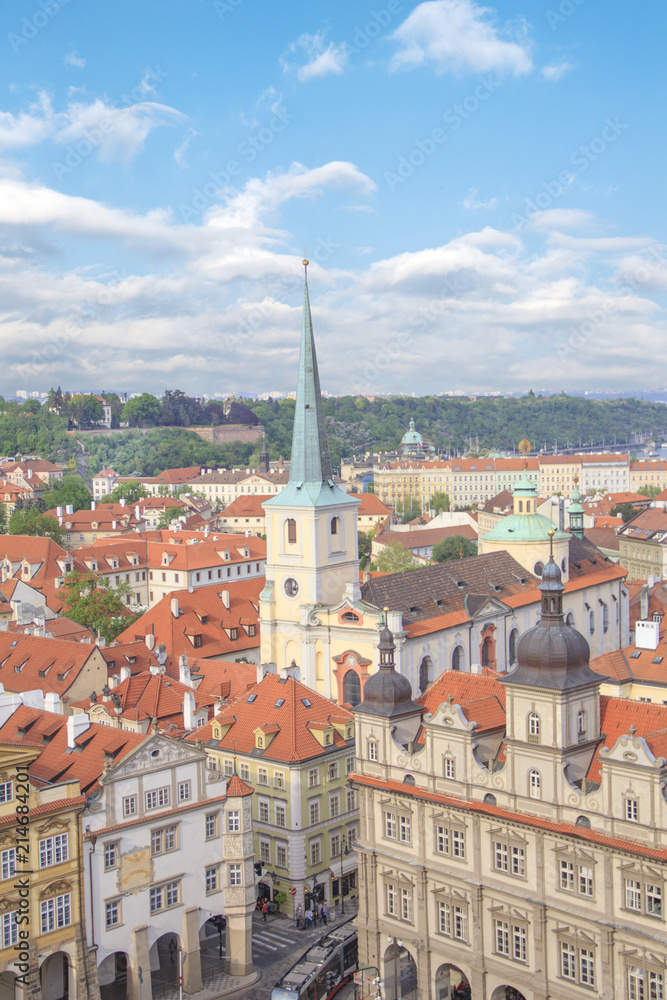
{"points": [[322, 970]]}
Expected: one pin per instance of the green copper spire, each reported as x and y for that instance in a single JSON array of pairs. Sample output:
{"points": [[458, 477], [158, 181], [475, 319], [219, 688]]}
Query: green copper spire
{"points": [[310, 462]]}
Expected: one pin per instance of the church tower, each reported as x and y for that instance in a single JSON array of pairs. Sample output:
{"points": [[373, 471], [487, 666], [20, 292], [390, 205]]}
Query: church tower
{"points": [[311, 532]]}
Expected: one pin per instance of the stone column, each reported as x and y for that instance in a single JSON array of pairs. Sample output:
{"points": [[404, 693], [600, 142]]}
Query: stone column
{"points": [[192, 981], [140, 959], [239, 943]]}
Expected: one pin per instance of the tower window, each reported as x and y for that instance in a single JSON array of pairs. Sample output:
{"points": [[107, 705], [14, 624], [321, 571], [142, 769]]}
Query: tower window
{"points": [[334, 525], [534, 784], [291, 531], [533, 728]]}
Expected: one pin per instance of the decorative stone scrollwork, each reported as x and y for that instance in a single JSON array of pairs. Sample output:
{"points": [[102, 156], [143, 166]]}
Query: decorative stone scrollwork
{"points": [[55, 889], [214, 776]]}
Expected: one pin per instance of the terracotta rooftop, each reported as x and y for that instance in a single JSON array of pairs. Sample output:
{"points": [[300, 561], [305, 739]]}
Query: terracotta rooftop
{"points": [[647, 525], [29, 663], [632, 663], [427, 536], [149, 696], [290, 705]]}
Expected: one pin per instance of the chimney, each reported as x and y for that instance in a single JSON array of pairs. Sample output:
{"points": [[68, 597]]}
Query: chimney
{"points": [[155, 669], [265, 668], [643, 600], [29, 473], [225, 599], [60, 520], [647, 635], [184, 675], [125, 672], [93, 505], [122, 501], [137, 512], [100, 641], [113, 525], [188, 710], [291, 671], [59, 511], [174, 607], [76, 726], [52, 702], [69, 508], [149, 639]]}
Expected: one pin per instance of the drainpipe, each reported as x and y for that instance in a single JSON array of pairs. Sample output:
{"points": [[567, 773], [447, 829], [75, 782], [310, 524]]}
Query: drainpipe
{"points": [[82, 910]]}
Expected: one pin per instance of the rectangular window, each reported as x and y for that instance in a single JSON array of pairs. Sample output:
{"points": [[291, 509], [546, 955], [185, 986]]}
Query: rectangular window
{"points": [[335, 845], [500, 856], [568, 969], [334, 805], [442, 840], [586, 967], [372, 751], [111, 855], [8, 863], [7, 794], [405, 830], [351, 799], [158, 798], [184, 791], [10, 929], [332, 771], [633, 894], [265, 851], [281, 815], [314, 812], [262, 776], [519, 943], [129, 805], [502, 937], [279, 779], [458, 844], [632, 810], [313, 777], [518, 861], [281, 856], [460, 923], [235, 876], [112, 910], [228, 767], [444, 919], [212, 880], [264, 812], [567, 875], [349, 765], [390, 826], [233, 821], [449, 767], [244, 772], [211, 825], [56, 913], [53, 850], [406, 904], [654, 900], [315, 852], [391, 900], [585, 880]]}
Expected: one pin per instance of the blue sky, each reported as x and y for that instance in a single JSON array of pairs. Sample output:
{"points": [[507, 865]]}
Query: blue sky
{"points": [[480, 191]]}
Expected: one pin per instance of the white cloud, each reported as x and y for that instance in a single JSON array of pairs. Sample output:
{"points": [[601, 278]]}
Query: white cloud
{"points": [[555, 71], [458, 36], [114, 133], [562, 218], [180, 151], [471, 201], [322, 60], [71, 59]]}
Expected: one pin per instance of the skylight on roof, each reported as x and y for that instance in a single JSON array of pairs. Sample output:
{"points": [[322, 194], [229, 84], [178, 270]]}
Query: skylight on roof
{"points": [[280, 703], [250, 699], [306, 702], [635, 656], [657, 659]]}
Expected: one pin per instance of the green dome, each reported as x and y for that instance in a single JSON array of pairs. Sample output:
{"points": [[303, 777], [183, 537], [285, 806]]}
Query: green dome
{"points": [[523, 528], [412, 436]]}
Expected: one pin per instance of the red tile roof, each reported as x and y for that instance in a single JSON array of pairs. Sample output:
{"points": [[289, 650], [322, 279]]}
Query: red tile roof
{"points": [[237, 789], [45, 808], [29, 662], [294, 741], [203, 614], [150, 696]]}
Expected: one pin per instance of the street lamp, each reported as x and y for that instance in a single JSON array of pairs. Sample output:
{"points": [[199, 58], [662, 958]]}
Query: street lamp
{"points": [[344, 852]]}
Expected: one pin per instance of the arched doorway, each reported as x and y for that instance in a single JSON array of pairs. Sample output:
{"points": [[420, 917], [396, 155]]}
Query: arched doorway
{"points": [[426, 673], [164, 962], [54, 977], [351, 688], [112, 976], [451, 984], [507, 993], [400, 972]]}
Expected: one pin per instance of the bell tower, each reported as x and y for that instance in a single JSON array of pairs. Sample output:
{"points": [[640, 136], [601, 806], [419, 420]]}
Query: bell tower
{"points": [[311, 526]]}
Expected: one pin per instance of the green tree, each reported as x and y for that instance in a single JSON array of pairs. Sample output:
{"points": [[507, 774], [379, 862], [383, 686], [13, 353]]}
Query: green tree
{"points": [[624, 510], [408, 510], [650, 490], [90, 601], [438, 502], [142, 411], [453, 547], [32, 521], [168, 515], [72, 491], [131, 492], [395, 559], [84, 410], [365, 543]]}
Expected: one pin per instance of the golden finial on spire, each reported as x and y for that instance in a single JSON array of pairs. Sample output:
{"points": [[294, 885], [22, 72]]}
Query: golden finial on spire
{"points": [[551, 532]]}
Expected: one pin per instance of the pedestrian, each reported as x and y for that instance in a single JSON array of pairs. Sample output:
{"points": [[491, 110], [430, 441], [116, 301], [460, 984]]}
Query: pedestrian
{"points": [[323, 914], [299, 917], [316, 914], [265, 910], [309, 918]]}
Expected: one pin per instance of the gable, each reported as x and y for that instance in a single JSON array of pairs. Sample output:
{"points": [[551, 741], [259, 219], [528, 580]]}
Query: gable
{"points": [[155, 754]]}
